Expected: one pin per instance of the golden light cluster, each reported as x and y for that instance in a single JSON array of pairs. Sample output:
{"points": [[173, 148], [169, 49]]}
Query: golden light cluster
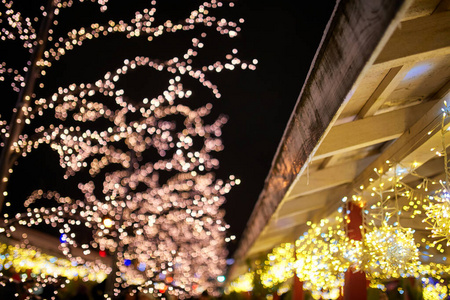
{"points": [[321, 259], [390, 252], [43, 265], [154, 202], [243, 283], [279, 265], [387, 249], [324, 253], [438, 216], [437, 211], [434, 291]]}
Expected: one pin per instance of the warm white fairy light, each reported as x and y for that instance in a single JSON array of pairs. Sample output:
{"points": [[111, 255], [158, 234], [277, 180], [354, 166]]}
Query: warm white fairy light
{"points": [[387, 250], [161, 217], [141, 26]]}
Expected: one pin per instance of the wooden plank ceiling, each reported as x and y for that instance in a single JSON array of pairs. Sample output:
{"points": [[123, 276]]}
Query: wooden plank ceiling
{"points": [[387, 117]]}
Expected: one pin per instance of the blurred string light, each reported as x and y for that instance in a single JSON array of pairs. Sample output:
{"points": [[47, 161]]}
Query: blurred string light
{"points": [[434, 290], [283, 288], [18, 27], [166, 234], [43, 265], [243, 283], [390, 252], [387, 250], [438, 210], [279, 265], [322, 258], [324, 253]]}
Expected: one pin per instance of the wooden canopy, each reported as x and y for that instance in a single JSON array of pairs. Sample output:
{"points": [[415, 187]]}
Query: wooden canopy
{"points": [[374, 92]]}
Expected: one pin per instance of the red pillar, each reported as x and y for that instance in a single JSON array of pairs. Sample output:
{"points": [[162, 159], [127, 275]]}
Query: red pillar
{"points": [[275, 296], [355, 286], [297, 289], [412, 283]]}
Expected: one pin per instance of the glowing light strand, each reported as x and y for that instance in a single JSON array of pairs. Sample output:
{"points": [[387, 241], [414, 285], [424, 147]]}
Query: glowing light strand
{"points": [[438, 210]]}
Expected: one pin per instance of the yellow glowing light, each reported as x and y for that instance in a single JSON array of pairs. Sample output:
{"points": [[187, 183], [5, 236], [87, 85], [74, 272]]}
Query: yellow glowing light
{"points": [[434, 291], [438, 211], [279, 265], [390, 252], [23, 259], [323, 256], [438, 216], [243, 283]]}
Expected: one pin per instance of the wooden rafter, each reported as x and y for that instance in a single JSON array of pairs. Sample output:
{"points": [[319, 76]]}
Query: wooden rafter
{"points": [[417, 40], [384, 89], [361, 133], [328, 178]]}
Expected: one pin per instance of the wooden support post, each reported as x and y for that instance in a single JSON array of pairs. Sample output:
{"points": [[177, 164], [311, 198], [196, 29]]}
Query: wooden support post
{"points": [[355, 282], [297, 289]]}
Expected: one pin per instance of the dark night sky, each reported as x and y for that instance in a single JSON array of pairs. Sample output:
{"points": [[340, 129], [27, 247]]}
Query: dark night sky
{"points": [[283, 35]]}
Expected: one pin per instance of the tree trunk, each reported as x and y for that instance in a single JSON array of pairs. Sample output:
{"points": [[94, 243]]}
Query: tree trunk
{"points": [[10, 152]]}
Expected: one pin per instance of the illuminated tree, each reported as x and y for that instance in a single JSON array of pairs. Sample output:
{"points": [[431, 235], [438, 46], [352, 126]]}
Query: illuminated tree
{"points": [[26, 76], [153, 203]]}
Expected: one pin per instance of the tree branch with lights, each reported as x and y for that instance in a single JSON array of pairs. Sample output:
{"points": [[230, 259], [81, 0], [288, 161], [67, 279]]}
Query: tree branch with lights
{"points": [[153, 203]]}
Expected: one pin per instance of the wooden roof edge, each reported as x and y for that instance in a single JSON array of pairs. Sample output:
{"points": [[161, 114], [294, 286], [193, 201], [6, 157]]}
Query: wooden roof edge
{"points": [[353, 38]]}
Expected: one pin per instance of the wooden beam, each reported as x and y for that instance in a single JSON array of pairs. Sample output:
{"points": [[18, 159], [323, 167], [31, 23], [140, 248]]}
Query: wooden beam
{"points": [[412, 147], [299, 205], [383, 90], [370, 131], [288, 223], [355, 35], [328, 161], [328, 178], [268, 243], [444, 5], [282, 224], [420, 8], [417, 40], [388, 84]]}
